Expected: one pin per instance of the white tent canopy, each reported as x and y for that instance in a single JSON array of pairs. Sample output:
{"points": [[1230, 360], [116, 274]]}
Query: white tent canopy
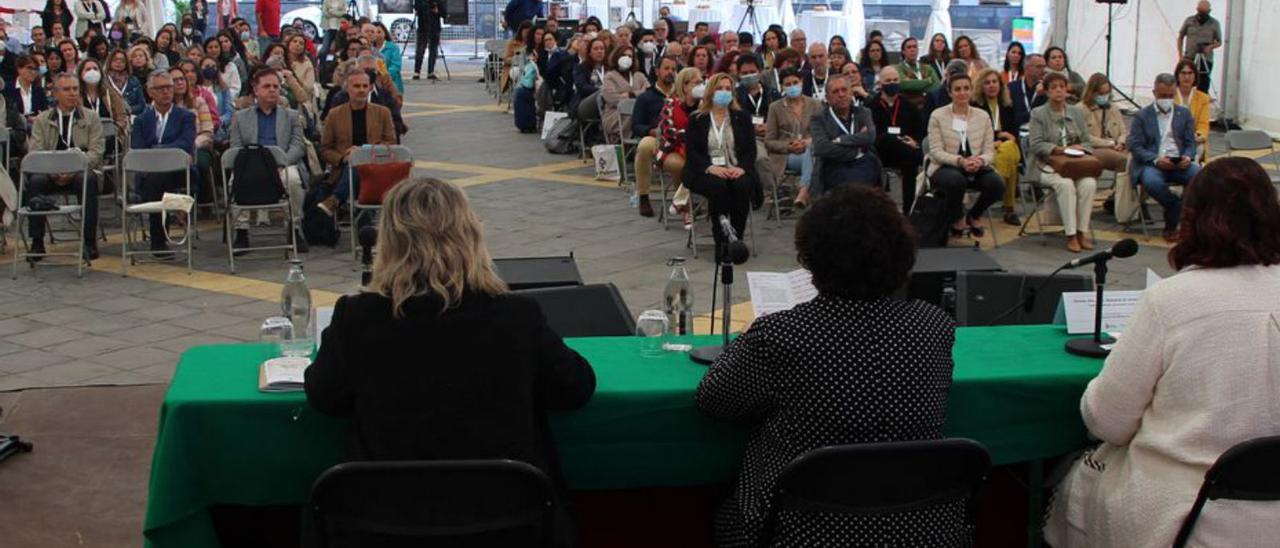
{"points": [[939, 20]]}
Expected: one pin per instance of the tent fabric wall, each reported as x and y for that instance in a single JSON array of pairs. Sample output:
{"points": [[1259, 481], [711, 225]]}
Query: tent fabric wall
{"points": [[1258, 82]]}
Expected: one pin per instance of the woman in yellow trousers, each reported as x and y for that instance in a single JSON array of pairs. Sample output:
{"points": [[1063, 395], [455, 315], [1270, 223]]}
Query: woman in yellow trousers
{"points": [[993, 97]]}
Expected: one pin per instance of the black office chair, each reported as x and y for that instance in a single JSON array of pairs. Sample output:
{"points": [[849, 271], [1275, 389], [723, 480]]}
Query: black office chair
{"points": [[457, 504], [879, 479], [1247, 471]]}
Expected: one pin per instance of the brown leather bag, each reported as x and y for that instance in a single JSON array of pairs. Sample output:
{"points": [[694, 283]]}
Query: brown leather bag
{"points": [[1075, 167]]}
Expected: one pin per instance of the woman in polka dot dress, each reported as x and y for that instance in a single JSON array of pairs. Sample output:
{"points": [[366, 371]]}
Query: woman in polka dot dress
{"points": [[851, 366]]}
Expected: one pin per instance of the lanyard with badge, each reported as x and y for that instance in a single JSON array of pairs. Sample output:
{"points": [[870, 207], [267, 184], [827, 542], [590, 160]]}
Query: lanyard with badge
{"points": [[961, 127], [161, 123], [64, 128], [819, 91], [756, 118], [1028, 97], [93, 104], [894, 129], [719, 156], [600, 76], [846, 129], [1062, 129], [120, 89]]}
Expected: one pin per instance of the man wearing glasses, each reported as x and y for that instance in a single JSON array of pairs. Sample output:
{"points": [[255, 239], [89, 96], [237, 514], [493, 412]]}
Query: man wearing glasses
{"points": [[66, 126], [162, 125]]}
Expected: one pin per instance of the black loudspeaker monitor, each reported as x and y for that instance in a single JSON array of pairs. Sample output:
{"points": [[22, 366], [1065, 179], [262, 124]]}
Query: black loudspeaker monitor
{"points": [[456, 12], [984, 296], [536, 272], [595, 310], [933, 278]]}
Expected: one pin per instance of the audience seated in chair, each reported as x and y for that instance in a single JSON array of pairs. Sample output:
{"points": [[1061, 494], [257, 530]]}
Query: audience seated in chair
{"points": [[961, 152], [672, 124], [899, 131], [268, 123], [844, 138], [787, 133], [1057, 128], [644, 123], [1162, 140], [164, 124], [66, 126], [354, 123]]}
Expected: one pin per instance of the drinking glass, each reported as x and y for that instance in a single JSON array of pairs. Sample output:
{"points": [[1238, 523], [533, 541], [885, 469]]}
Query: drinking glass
{"points": [[276, 331], [653, 326]]}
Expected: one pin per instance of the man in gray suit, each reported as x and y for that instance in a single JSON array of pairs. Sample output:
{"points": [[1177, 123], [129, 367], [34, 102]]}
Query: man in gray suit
{"points": [[267, 123]]}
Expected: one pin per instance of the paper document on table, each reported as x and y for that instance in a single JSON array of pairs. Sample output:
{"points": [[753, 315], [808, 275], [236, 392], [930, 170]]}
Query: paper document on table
{"points": [[285, 374], [1118, 306], [774, 291]]}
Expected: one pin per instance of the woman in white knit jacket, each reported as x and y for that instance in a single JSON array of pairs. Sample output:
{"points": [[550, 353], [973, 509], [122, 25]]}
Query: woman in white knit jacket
{"points": [[1196, 372]]}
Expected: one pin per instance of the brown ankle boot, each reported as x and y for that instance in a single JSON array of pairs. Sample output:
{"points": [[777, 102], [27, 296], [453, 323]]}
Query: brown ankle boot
{"points": [[646, 209]]}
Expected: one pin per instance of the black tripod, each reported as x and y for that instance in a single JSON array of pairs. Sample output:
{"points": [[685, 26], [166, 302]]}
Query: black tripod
{"points": [[750, 15], [353, 9], [1116, 89]]}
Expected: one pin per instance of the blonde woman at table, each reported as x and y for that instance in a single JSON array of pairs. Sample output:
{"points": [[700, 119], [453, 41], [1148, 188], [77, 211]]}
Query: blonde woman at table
{"points": [[799, 377], [436, 359], [1194, 374]]}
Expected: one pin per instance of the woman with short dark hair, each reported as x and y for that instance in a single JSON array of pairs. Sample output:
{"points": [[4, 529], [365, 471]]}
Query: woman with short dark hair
{"points": [[854, 365], [1193, 375]]}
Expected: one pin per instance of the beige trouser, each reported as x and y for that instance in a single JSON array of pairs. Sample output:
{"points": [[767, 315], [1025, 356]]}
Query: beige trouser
{"points": [[1075, 200], [673, 165]]}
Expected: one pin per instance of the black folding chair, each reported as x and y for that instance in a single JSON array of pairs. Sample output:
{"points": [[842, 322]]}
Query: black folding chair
{"points": [[433, 503], [1247, 471], [873, 479]]}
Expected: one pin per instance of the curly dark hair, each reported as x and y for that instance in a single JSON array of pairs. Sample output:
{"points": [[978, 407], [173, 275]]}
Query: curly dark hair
{"points": [[1230, 217], [856, 243]]}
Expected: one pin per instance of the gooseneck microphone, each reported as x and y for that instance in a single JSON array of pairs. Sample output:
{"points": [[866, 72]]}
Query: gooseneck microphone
{"points": [[1122, 249], [368, 236], [737, 251]]}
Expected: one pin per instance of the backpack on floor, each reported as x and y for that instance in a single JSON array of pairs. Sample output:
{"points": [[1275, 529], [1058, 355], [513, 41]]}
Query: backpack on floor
{"points": [[256, 177], [562, 138], [928, 218]]}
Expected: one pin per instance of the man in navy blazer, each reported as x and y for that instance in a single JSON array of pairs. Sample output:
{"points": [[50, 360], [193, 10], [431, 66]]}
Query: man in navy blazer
{"points": [[163, 125], [1162, 141]]}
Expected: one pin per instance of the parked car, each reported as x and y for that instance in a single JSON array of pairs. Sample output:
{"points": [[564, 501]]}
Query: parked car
{"points": [[397, 15]]}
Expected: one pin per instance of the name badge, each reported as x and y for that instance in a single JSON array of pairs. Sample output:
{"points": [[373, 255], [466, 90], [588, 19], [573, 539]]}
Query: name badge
{"points": [[895, 130], [719, 161], [757, 120], [959, 125], [820, 95]]}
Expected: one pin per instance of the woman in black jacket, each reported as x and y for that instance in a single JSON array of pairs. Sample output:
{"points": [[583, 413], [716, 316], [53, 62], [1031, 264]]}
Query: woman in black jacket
{"points": [[720, 145], [435, 360]]}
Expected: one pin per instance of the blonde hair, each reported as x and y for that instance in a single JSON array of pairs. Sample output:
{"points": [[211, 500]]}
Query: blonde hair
{"points": [[980, 96], [707, 94], [430, 242], [683, 78]]}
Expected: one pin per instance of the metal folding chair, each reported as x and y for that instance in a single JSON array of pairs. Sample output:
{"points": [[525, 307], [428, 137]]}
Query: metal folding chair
{"points": [[434, 503], [377, 154], [51, 163], [493, 65], [626, 108], [1247, 471], [233, 209], [924, 168], [152, 162], [4, 167], [879, 480], [585, 125]]}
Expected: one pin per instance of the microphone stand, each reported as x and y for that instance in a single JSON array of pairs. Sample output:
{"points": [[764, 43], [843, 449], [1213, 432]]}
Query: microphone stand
{"points": [[707, 354], [1094, 347]]}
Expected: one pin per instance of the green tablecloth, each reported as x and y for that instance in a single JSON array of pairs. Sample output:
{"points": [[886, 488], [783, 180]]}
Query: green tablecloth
{"points": [[223, 442]]}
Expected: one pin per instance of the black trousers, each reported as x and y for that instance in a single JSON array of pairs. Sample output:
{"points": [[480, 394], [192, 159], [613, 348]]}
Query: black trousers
{"points": [[906, 159], [1203, 71], [724, 197], [428, 39], [41, 184], [953, 182]]}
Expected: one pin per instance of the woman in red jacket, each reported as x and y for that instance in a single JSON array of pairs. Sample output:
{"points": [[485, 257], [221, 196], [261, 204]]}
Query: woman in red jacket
{"points": [[672, 124]]}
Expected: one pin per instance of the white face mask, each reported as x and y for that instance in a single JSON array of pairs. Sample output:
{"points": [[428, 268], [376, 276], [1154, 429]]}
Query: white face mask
{"points": [[1165, 105], [591, 36], [699, 90], [624, 62], [92, 77], [648, 47]]}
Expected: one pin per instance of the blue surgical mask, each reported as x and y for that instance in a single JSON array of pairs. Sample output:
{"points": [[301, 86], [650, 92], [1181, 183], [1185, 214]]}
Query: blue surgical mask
{"points": [[244, 36], [793, 91], [1102, 101], [722, 98], [43, 70]]}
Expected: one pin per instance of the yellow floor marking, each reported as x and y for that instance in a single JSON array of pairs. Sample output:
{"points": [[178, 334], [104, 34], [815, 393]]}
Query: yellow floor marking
{"points": [[229, 284]]}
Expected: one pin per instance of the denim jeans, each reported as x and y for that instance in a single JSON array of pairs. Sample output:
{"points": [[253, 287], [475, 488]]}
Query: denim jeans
{"points": [[1156, 182], [803, 163]]}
